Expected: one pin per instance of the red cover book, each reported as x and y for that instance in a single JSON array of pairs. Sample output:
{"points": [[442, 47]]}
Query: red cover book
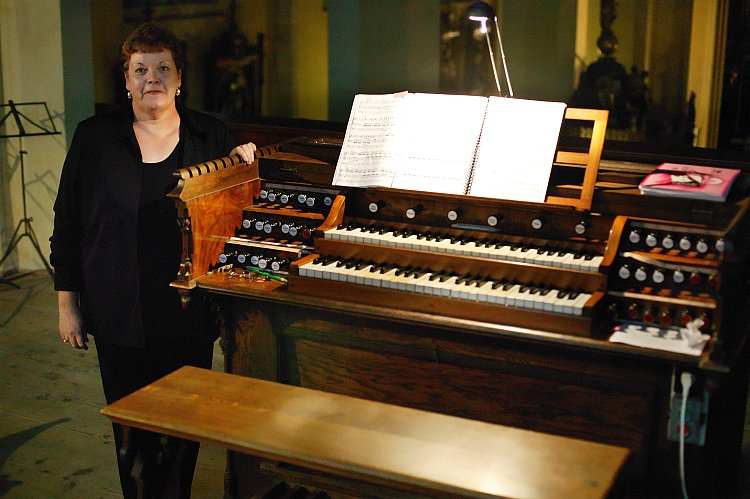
{"points": [[689, 181]]}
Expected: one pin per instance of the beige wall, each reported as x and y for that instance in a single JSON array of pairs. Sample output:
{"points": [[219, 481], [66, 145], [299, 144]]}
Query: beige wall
{"points": [[30, 50], [310, 59]]}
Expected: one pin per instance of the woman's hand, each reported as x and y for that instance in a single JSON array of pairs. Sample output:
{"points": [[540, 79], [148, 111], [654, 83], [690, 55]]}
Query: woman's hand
{"points": [[70, 321], [245, 151]]}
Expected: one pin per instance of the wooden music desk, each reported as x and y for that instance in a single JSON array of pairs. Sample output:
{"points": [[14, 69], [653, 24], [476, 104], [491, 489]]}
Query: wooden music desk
{"points": [[406, 449]]}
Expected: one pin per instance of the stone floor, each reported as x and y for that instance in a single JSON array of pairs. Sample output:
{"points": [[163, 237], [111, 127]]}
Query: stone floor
{"points": [[53, 441]]}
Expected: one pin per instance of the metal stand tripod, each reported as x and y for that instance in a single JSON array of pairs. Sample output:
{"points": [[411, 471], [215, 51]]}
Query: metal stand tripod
{"points": [[24, 228]]}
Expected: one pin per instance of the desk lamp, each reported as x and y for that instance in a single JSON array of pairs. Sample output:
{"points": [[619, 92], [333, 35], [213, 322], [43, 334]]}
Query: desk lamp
{"points": [[482, 12]]}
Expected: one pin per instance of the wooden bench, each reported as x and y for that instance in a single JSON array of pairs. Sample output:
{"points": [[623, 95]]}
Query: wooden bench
{"points": [[368, 442]]}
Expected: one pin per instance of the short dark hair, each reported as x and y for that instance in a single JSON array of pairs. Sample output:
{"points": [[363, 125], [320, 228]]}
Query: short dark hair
{"points": [[149, 38]]}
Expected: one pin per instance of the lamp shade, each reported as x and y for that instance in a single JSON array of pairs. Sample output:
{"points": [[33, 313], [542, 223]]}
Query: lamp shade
{"points": [[481, 12], [480, 9]]}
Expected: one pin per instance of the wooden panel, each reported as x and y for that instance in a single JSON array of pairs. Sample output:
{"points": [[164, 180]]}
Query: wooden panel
{"points": [[596, 413], [403, 448]]}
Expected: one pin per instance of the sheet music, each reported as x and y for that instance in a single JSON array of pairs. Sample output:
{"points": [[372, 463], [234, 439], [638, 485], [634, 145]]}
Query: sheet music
{"points": [[368, 155], [517, 149], [436, 141]]}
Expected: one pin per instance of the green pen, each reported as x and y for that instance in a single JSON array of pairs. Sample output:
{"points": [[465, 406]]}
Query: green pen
{"points": [[266, 274]]}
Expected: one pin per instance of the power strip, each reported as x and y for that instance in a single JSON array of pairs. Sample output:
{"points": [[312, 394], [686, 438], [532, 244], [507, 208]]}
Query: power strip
{"points": [[696, 417]]}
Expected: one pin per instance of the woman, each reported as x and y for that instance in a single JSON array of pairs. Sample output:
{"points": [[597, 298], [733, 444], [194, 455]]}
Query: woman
{"points": [[116, 244]]}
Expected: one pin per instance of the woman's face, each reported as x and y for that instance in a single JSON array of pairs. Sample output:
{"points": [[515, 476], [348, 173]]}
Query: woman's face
{"points": [[153, 80]]}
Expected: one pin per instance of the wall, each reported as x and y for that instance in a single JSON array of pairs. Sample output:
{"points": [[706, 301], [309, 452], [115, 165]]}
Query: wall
{"points": [[381, 46], [32, 71], [540, 67], [197, 25]]}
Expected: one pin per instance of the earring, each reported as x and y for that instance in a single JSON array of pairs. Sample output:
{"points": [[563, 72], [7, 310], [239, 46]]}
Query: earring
{"points": [[130, 96], [177, 93]]}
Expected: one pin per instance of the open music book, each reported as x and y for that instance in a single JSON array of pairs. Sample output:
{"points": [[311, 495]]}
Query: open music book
{"points": [[492, 147]]}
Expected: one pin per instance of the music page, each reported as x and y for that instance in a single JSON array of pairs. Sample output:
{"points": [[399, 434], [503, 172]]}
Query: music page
{"points": [[368, 156], [436, 139], [517, 149]]}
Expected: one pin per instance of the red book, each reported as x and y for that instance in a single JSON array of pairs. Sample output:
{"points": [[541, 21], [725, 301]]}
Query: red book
{"points": [[689, 181]]}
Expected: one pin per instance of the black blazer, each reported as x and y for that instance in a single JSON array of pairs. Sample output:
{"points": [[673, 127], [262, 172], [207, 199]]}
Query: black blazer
{"points": [[94, 240]]}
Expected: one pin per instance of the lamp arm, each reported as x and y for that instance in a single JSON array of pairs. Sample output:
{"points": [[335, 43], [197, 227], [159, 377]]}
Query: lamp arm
{"points": [[492, 62], [502, 56]]}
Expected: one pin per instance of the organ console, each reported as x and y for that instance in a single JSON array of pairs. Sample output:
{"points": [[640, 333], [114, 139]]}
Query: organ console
{"points": [[482, 308]]}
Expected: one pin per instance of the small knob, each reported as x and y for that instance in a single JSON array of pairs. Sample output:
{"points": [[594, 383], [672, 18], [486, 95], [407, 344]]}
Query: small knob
{"points": [[537, 223], [495, 219], [269, 227], [657, 276], [678, 276], [685, 243], [624, 272], [633, 311], [581, 227], [651, 240], [685, 317], [454, 214], [665, 318], [376, 206], [640, 274], [713, 280], [720, 245], [701, 246], [225, 257], [648, 316], [414, 211], [278, 264], [667, 242], [634, 236]]}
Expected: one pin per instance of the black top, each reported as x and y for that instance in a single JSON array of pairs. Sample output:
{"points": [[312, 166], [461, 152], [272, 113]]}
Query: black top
{"points": [[95, 238], [159, 241]]}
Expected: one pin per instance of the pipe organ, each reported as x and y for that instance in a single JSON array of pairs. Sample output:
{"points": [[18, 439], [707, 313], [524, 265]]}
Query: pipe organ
{"points": [[482, 308]]}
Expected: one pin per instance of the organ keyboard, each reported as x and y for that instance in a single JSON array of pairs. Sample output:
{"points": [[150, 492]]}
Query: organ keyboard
{"points": [[382, 293]]}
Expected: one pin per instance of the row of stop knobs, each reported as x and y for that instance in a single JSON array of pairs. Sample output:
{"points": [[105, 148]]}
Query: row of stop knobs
{"points": [[249, 259], [306, 200], [282, 229], [663, 316], [660, 275], [667, 241]]}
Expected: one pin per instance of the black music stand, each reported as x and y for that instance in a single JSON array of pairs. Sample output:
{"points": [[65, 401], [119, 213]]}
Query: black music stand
{"points": [[24, 229]]}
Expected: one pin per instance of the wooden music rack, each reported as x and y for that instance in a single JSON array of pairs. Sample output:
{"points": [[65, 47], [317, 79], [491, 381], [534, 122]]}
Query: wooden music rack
{"points": [[589, 160]]}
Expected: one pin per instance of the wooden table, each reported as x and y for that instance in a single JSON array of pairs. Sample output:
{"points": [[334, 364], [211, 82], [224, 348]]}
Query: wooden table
{"points": [[401, 448]]}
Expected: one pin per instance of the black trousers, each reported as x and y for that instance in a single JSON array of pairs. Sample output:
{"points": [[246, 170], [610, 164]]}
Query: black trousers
{"points": [[168, 464]]}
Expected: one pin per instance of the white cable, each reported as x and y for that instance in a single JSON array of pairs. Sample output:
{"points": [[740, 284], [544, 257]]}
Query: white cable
{"points": [[686, 379]]}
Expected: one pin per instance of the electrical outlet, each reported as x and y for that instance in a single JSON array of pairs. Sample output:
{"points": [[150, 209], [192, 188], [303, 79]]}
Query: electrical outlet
{"points": [[696, 416]]}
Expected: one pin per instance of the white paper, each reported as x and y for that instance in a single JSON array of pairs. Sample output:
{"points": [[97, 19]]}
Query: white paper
{"points": [[436, 141], [517, 149], [503, 148], [368, 155], [670, 339]]}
